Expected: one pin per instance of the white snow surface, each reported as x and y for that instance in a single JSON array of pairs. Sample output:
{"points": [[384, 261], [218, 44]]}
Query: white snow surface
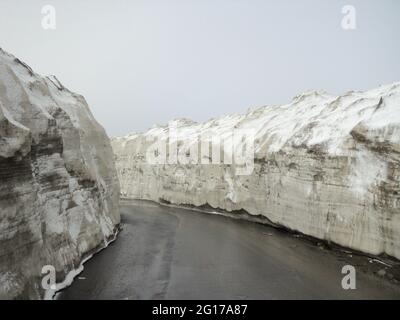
{"points": [[327, 166], [59, 191]]}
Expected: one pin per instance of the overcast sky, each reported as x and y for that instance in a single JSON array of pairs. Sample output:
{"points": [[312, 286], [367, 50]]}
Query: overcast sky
{"points": [[144, 62]]}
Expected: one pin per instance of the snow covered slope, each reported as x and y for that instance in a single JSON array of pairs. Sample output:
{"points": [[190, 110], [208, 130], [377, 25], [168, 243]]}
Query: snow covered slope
{"points": [[326, 166], [59, 192]]}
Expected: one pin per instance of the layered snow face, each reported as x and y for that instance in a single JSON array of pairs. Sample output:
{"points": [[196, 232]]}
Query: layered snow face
{"points": [[59, 191], [326, 166]]}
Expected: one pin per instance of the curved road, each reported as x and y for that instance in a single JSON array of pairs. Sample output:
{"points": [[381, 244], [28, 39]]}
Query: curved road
{"points": [[170, 253]]}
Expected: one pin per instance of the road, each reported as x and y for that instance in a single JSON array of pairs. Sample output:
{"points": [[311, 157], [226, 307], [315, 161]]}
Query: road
{"points": [[172, 253]]}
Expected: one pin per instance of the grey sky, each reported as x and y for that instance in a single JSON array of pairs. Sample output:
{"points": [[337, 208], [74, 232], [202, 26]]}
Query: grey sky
{"points": [[144, 62]]}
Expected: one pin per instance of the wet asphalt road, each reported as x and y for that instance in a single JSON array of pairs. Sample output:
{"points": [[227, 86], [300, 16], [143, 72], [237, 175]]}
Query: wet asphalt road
{"points": [[171, 253]]}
